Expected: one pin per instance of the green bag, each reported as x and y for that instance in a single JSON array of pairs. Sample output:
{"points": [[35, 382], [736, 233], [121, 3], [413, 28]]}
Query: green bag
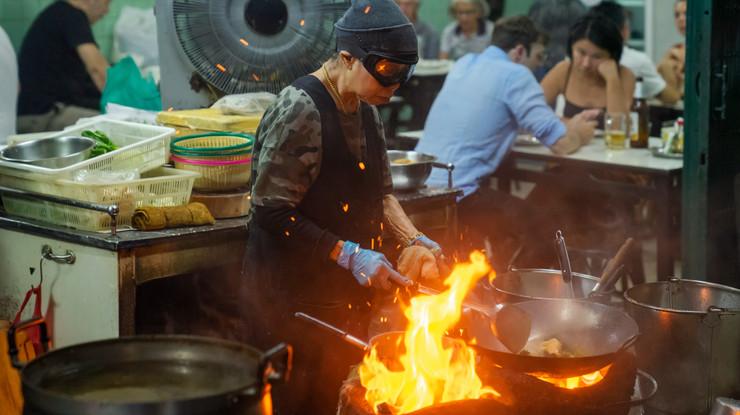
{"points": [[126, 86]]}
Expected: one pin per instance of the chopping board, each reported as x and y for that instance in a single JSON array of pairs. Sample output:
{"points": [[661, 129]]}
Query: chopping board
{"points": [[223, 205], [209, 119]]}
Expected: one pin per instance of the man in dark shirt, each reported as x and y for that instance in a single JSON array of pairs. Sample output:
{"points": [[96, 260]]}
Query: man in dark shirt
{"points": [[61, 69]]}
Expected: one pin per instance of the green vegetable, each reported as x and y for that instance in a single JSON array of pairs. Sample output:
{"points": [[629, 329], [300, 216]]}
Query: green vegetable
{"points": [[103, 144]]}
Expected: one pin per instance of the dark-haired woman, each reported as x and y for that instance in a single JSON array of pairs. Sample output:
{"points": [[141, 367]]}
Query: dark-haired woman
{"points": [[591, 77]]}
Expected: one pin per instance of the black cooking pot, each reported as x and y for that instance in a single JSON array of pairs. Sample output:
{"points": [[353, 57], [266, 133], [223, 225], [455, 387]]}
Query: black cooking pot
{"points": [[154, 375]]}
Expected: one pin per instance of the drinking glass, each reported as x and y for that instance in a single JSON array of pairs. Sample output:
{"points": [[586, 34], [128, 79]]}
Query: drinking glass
{"points": [[616, 130]]}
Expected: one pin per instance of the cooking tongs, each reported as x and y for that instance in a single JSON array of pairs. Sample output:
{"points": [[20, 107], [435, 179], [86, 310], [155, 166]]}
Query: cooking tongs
{"points": [[564, 260]]}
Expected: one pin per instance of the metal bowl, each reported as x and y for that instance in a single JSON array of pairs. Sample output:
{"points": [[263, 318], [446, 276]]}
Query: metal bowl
{"points": [[412, 174], [54, 152]]}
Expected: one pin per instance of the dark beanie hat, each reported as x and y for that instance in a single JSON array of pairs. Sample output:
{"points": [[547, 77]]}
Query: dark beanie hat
{"points": [[379, 27]]}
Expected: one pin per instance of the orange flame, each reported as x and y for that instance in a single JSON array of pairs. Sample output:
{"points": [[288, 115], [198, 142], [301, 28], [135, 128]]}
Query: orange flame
{"points": [[575, 382], [436, 369], [220, 67]]}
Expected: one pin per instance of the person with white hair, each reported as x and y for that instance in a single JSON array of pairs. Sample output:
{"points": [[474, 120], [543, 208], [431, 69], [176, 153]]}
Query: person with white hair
{"points": [[469, 33], [427, 37]]}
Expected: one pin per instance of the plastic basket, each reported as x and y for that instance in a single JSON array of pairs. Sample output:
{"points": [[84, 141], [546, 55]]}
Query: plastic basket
{"points": [[160, 187], [216, 175], [142, 147]]}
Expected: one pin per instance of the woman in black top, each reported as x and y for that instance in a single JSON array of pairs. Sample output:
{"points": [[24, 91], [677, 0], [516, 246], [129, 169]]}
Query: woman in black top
{"points": [[592, 77]]}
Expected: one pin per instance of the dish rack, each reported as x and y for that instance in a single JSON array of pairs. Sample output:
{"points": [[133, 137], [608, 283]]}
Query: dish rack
{"points": [[142, 147], [160, 187]]}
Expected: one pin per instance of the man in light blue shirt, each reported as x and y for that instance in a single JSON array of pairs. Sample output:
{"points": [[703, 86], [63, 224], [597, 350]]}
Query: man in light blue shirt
{"points": [[486, 99]]}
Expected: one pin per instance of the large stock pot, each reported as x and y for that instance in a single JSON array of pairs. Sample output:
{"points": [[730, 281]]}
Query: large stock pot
{"points": [[690, 342]]}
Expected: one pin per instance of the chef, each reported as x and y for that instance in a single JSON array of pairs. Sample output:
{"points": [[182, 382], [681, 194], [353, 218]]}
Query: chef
{"points": [[321, 200]]}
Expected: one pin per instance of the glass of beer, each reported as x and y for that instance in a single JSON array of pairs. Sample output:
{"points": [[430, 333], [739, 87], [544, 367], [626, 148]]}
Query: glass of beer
{"points": [[616, 130]]}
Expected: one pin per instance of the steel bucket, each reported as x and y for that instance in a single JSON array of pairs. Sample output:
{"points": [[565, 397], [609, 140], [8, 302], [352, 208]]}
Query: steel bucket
{"points": [[690, 342]]}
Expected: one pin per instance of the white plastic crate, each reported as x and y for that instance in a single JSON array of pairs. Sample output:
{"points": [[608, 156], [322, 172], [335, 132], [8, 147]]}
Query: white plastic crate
{"points": [[142, 147], [161, 187]]}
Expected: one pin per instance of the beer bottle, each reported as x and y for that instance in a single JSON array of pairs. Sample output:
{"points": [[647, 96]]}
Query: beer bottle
{"points": [[640, 118]]}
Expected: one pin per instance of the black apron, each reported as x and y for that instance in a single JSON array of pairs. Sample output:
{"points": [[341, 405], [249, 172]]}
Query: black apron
{"points": [[283, 278]]}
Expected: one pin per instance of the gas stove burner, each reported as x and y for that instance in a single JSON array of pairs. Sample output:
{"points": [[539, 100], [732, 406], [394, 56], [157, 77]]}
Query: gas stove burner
{"points": [[622, 388]]}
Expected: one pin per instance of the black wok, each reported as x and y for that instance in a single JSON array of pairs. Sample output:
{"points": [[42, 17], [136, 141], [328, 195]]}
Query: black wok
{"points": [[154, 375], [593, 332]]}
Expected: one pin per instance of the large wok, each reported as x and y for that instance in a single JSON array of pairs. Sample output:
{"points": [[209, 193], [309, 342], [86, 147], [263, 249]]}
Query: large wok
{"points": [[595, 333], [154, 375]]}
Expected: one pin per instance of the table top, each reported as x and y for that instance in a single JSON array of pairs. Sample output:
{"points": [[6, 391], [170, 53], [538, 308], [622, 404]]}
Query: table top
{"points": [[594, 152], [127, 239]]}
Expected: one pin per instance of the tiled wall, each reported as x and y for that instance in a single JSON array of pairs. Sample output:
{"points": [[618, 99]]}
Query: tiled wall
{"points": [[17, 15]]}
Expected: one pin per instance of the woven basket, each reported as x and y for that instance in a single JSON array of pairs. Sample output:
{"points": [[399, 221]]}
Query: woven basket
{"points": [[221, 146], [216, 175]]}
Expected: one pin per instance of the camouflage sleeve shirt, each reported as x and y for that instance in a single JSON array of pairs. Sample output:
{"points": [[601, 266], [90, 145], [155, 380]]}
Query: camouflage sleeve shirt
{"points": [[289, 157]]}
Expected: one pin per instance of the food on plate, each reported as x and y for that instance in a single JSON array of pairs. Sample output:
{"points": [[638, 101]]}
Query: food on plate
{"points": [[402, 161], [103, 144]]}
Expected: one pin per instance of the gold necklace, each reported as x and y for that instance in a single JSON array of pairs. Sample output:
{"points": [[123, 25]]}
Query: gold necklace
{"points": [[333, 89]]}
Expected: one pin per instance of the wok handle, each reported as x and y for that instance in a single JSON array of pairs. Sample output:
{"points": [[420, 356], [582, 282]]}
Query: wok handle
{"points": [[328, 327], [611, 271], [275, 364], [629, 342], [449, 167]]}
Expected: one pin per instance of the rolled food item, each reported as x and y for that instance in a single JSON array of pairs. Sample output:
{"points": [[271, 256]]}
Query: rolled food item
{"points": [[153, 218]]}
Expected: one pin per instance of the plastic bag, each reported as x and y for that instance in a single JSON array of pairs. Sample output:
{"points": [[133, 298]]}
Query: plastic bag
{"points": [[135, 34], [245, 104], [126, 86]]}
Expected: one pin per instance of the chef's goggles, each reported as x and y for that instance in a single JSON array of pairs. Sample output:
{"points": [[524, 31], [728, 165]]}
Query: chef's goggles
{"points": [[387, 71]]}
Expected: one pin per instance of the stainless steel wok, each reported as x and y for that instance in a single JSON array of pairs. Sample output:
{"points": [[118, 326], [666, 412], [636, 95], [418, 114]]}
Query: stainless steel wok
{"points": [[593, 332]]}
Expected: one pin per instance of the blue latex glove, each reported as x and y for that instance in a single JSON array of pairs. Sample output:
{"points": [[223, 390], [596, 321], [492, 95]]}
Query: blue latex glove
{"points": [[427, 243], [370, 268]]}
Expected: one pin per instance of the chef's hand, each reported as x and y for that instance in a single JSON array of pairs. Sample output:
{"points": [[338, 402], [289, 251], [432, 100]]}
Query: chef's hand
{"points": [[417, 263], [443, 266], [423, 240], [370, 268]]}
